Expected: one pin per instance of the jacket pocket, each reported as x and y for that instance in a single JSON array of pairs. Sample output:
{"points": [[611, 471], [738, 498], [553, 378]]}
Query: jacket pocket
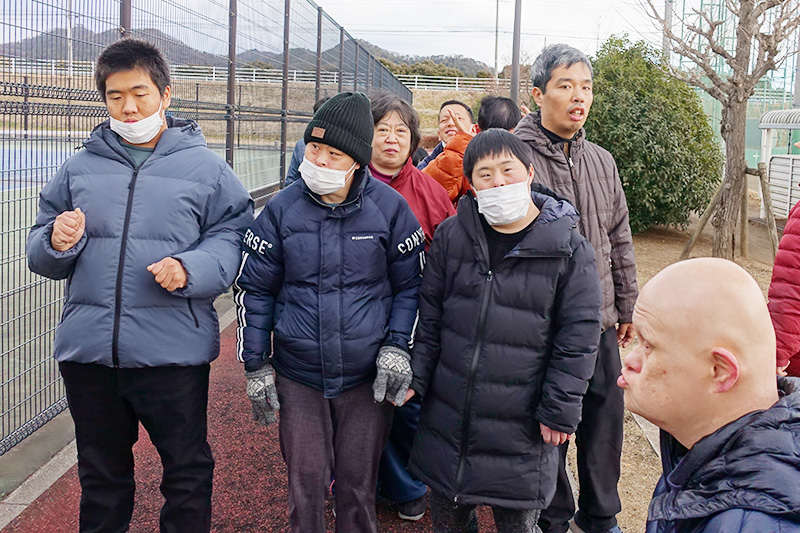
{"points": [[191, 312]]}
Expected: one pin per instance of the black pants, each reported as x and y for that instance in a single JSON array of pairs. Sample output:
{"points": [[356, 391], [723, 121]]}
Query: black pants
{"points": [[347, 432], [599, 442], [449, 517], [107, 405]]}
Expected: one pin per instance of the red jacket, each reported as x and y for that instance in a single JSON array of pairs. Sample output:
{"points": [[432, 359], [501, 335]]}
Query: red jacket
{"points": [[784, 295], [448, 167], [426, 198]]}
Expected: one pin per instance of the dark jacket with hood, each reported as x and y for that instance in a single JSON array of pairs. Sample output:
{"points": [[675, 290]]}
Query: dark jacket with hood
{"points": [[329, 284], [184, 202], [743, 478], [589, 179], [498, 352]]}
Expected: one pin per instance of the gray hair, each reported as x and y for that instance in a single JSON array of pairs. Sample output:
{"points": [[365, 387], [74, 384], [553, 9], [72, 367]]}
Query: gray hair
{"points": [[552, 57]]}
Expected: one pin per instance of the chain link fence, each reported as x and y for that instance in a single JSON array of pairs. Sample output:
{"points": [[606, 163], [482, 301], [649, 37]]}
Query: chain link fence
{"points": [[286, 54]]}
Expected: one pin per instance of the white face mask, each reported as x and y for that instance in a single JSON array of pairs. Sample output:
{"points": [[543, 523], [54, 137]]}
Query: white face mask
{"points": [[506, 204], [322, 180], [140, 132]]}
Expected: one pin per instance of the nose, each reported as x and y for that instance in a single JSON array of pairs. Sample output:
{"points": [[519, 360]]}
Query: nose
{"points": [[633, 361], [129, 107], [577, 95], [498, 179]]}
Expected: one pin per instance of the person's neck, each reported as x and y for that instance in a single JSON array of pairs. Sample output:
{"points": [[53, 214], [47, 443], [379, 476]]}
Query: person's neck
{"points": [[389, 172], [520, 224], [557, 137], [718, 415]]}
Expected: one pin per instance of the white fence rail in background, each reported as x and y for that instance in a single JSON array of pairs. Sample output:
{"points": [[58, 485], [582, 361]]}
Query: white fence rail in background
{"points": [[265, 75]]}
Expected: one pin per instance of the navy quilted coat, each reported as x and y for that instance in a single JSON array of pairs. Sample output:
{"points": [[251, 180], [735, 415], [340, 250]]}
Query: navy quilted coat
{"points": [[330, 283], [183, 202], [743, 478], [498, 352]]}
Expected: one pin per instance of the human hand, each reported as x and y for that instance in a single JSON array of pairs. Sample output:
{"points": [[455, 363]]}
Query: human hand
{"points": [[551, 436], [625, 335], [409, 394], [68, 229], [782, 370], [524, 110], [394, 375], [169, 273], [263, 395], [459, 126]]}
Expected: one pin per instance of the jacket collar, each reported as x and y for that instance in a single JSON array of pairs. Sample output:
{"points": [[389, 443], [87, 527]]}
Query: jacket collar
{"points": [[530, 130], [729, 469], [549, 236]]}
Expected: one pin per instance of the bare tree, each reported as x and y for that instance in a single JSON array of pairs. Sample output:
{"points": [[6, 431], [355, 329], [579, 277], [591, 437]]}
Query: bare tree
{"points": [[760, 27]]}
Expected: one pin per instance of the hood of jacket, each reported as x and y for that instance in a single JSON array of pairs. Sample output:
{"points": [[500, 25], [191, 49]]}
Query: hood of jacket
{"points": [[751, 463], [549, 235]]}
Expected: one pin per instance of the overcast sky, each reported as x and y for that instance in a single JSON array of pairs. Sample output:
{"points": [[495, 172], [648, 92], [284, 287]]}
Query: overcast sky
{"points": [[467, 27]]}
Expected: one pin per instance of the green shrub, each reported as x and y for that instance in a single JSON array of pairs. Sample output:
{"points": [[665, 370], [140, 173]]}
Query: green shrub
{"points": [[654, 125]]}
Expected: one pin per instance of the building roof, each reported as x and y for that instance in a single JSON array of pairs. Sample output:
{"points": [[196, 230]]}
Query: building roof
{"points": [[781, 119]]}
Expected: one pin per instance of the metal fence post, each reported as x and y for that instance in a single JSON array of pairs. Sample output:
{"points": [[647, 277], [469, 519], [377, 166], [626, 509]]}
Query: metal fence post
{"points": [[230, 127], [341, 57], [355, 75], [125, 19], [319, 53], [285, 89]]}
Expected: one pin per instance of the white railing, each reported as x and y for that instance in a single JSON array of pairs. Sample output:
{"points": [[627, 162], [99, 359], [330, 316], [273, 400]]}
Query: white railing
{"points": [[12, 65], [415, 81]]}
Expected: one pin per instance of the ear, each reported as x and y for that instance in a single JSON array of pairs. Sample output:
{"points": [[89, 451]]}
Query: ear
{"points": [[726, 369], [167, 96], [538, 96], [478, 130], [531, 175]]}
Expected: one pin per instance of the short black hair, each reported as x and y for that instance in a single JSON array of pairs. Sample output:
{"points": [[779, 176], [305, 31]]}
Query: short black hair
{"points": [[491, 143], [129, 54], [498, 112], [419, 154], [319, 103], [385, 103], [462, 104]]}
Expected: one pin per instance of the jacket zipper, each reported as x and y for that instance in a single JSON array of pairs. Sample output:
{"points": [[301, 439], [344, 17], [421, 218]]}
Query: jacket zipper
{"points": [[194, 316], [462, 459], [120, 268], [575, 190]]}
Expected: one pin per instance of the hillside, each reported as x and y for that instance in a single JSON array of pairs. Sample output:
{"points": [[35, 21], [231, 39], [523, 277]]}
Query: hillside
{"points": [[470, 67]]}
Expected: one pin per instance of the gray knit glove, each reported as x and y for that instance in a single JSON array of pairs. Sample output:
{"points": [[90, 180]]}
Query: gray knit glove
{"points": [[394, 375], [263, 395]]}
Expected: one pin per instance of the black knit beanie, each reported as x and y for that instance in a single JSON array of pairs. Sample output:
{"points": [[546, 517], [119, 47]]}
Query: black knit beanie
{"points": [[344, 122]]}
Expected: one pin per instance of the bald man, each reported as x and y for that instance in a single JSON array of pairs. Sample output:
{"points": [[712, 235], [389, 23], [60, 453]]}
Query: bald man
{"points": [[704, 372]]}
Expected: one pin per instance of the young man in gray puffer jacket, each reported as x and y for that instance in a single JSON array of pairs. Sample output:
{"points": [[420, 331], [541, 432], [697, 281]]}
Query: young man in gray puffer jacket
{"points": [[144, 223]]}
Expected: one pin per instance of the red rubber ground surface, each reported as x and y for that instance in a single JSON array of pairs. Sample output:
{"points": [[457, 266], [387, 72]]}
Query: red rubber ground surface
{"points": [[250, 487]]}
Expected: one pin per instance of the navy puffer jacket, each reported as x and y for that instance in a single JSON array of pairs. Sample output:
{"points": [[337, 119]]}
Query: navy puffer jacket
{"points": [[183, 202], [330, 283], [743, 478], [498, 352]]}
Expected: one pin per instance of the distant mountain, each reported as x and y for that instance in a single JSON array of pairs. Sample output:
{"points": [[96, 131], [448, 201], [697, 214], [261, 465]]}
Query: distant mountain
{"points": [[470, 67], [88, 44]]}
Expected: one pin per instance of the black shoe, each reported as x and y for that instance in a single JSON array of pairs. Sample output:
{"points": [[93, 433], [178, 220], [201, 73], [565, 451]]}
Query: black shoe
{"points": [[413, 510]]}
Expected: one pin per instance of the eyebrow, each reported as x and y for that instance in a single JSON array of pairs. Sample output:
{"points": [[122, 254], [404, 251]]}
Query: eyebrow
{"points": [[134, 88], [561, 80], [486, 165]]}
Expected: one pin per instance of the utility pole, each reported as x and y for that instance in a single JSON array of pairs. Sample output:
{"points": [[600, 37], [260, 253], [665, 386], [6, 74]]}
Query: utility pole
{"points": [[496, 38], [666, 45], [515, 53]]}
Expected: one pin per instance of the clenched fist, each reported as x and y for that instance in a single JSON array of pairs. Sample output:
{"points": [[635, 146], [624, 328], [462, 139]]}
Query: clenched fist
{"points": [[169, 273], [68, 229]]}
